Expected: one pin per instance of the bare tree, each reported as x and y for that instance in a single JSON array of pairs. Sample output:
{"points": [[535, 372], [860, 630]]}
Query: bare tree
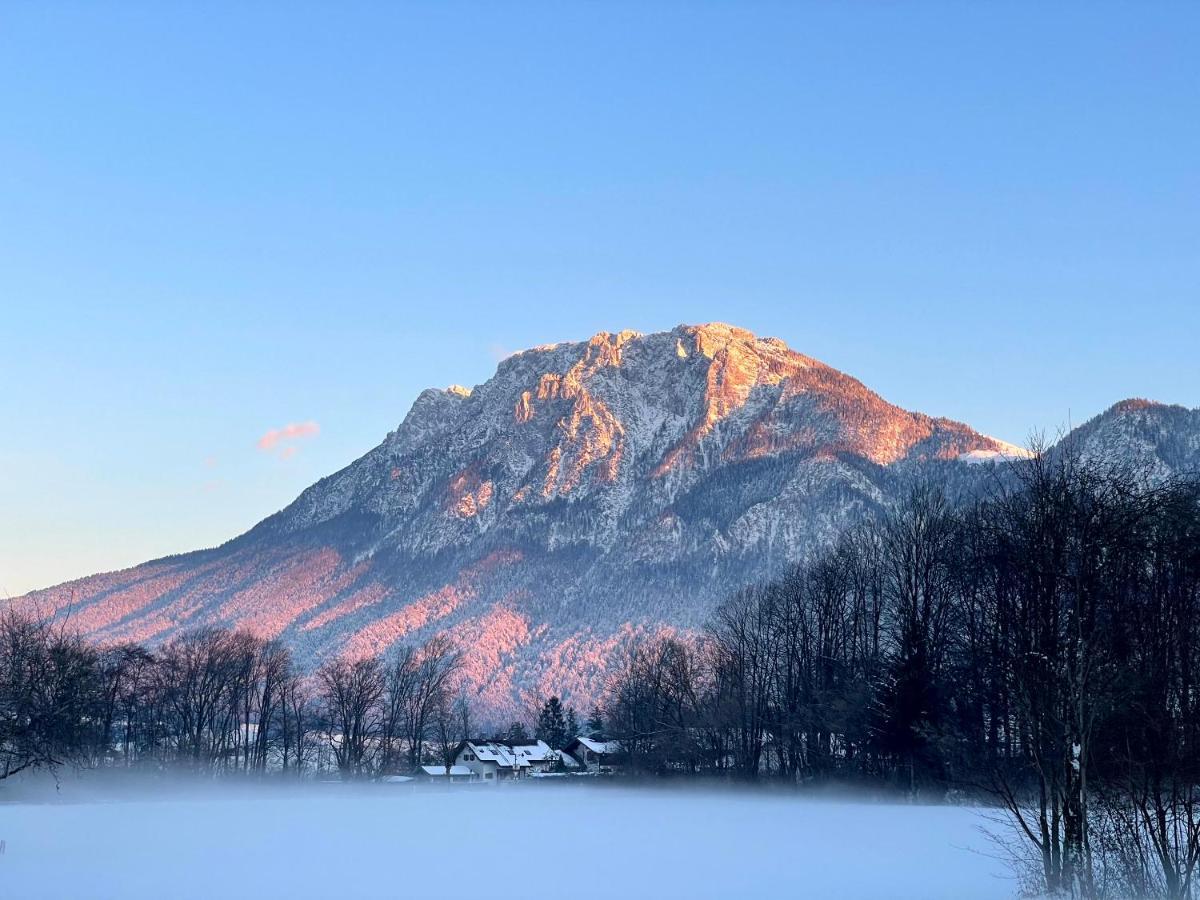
{"points": [[50, 701], [451, 724], [436, 664], [296, 745], [350, 694]]}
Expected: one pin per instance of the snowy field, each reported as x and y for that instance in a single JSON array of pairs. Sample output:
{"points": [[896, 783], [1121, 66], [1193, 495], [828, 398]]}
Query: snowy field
{"points": [[535, 840]]}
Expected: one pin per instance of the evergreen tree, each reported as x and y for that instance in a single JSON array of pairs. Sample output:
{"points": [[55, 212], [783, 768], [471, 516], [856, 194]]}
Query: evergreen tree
{"points": [[572, 725], [595, 722], [517, 734], [552, 725]]}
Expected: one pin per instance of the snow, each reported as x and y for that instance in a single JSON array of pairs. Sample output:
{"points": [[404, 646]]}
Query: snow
{"points": [[440, 771], [1006, 453], [601, 746], [539, 752], [333, 840], [487, 751]]}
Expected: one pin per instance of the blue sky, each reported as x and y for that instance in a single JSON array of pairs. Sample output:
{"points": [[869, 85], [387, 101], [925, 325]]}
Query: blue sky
{"points": [[216, 221]]}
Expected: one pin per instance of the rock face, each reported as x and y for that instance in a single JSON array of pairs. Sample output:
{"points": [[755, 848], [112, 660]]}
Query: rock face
{"points": [[586, 494]]}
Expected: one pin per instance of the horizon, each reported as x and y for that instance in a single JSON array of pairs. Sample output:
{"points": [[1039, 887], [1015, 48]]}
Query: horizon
{"points": [[236, 245]]}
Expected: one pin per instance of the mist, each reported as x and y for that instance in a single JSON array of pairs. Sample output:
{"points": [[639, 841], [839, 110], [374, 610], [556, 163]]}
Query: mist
{"points": [[544, 839]]}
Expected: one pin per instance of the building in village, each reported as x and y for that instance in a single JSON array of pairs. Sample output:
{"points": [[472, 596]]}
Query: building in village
{"points": [[539, 756], [594, 755], [494, 761], [442, 775]]}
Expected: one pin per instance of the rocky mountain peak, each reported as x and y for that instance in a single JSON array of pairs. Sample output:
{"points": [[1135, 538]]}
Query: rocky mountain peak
{"points": [[584, 494]]}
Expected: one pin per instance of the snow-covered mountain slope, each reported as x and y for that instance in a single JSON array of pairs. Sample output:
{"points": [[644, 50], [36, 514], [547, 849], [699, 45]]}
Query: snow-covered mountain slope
{"points": [[585, 494], [1157, 439]]}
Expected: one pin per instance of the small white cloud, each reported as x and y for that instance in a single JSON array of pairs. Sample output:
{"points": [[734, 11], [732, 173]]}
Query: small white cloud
{"points": [[287, 435]]}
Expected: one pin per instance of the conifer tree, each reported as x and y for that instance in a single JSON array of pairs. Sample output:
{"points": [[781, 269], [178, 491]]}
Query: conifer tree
{"points": [[552, 725]]}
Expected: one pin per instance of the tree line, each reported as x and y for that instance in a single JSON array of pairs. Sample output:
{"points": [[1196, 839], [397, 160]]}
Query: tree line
{"points": [[1039, 647], [216, 701]]}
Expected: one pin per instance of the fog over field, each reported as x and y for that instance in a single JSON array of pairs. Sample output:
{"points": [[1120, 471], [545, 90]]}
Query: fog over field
{"points": [[547, 840]]}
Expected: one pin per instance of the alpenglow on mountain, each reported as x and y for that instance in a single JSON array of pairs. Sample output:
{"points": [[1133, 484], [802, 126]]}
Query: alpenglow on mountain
{"points": [[586, 494]]}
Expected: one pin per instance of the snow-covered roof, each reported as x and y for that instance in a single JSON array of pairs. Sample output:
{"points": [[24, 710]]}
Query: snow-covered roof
{"points": [[440, 771], [600, 746], [538, 752], [491, 751]]}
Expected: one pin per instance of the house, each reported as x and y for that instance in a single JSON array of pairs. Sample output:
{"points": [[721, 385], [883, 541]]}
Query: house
{"points": [[499, 760], [439, 774], [492, 761], [570, 763], [540, 757], [594, 755]]}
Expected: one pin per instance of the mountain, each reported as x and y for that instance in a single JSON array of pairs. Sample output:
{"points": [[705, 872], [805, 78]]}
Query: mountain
{"points": [[586, 494], [1156, 438]]}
